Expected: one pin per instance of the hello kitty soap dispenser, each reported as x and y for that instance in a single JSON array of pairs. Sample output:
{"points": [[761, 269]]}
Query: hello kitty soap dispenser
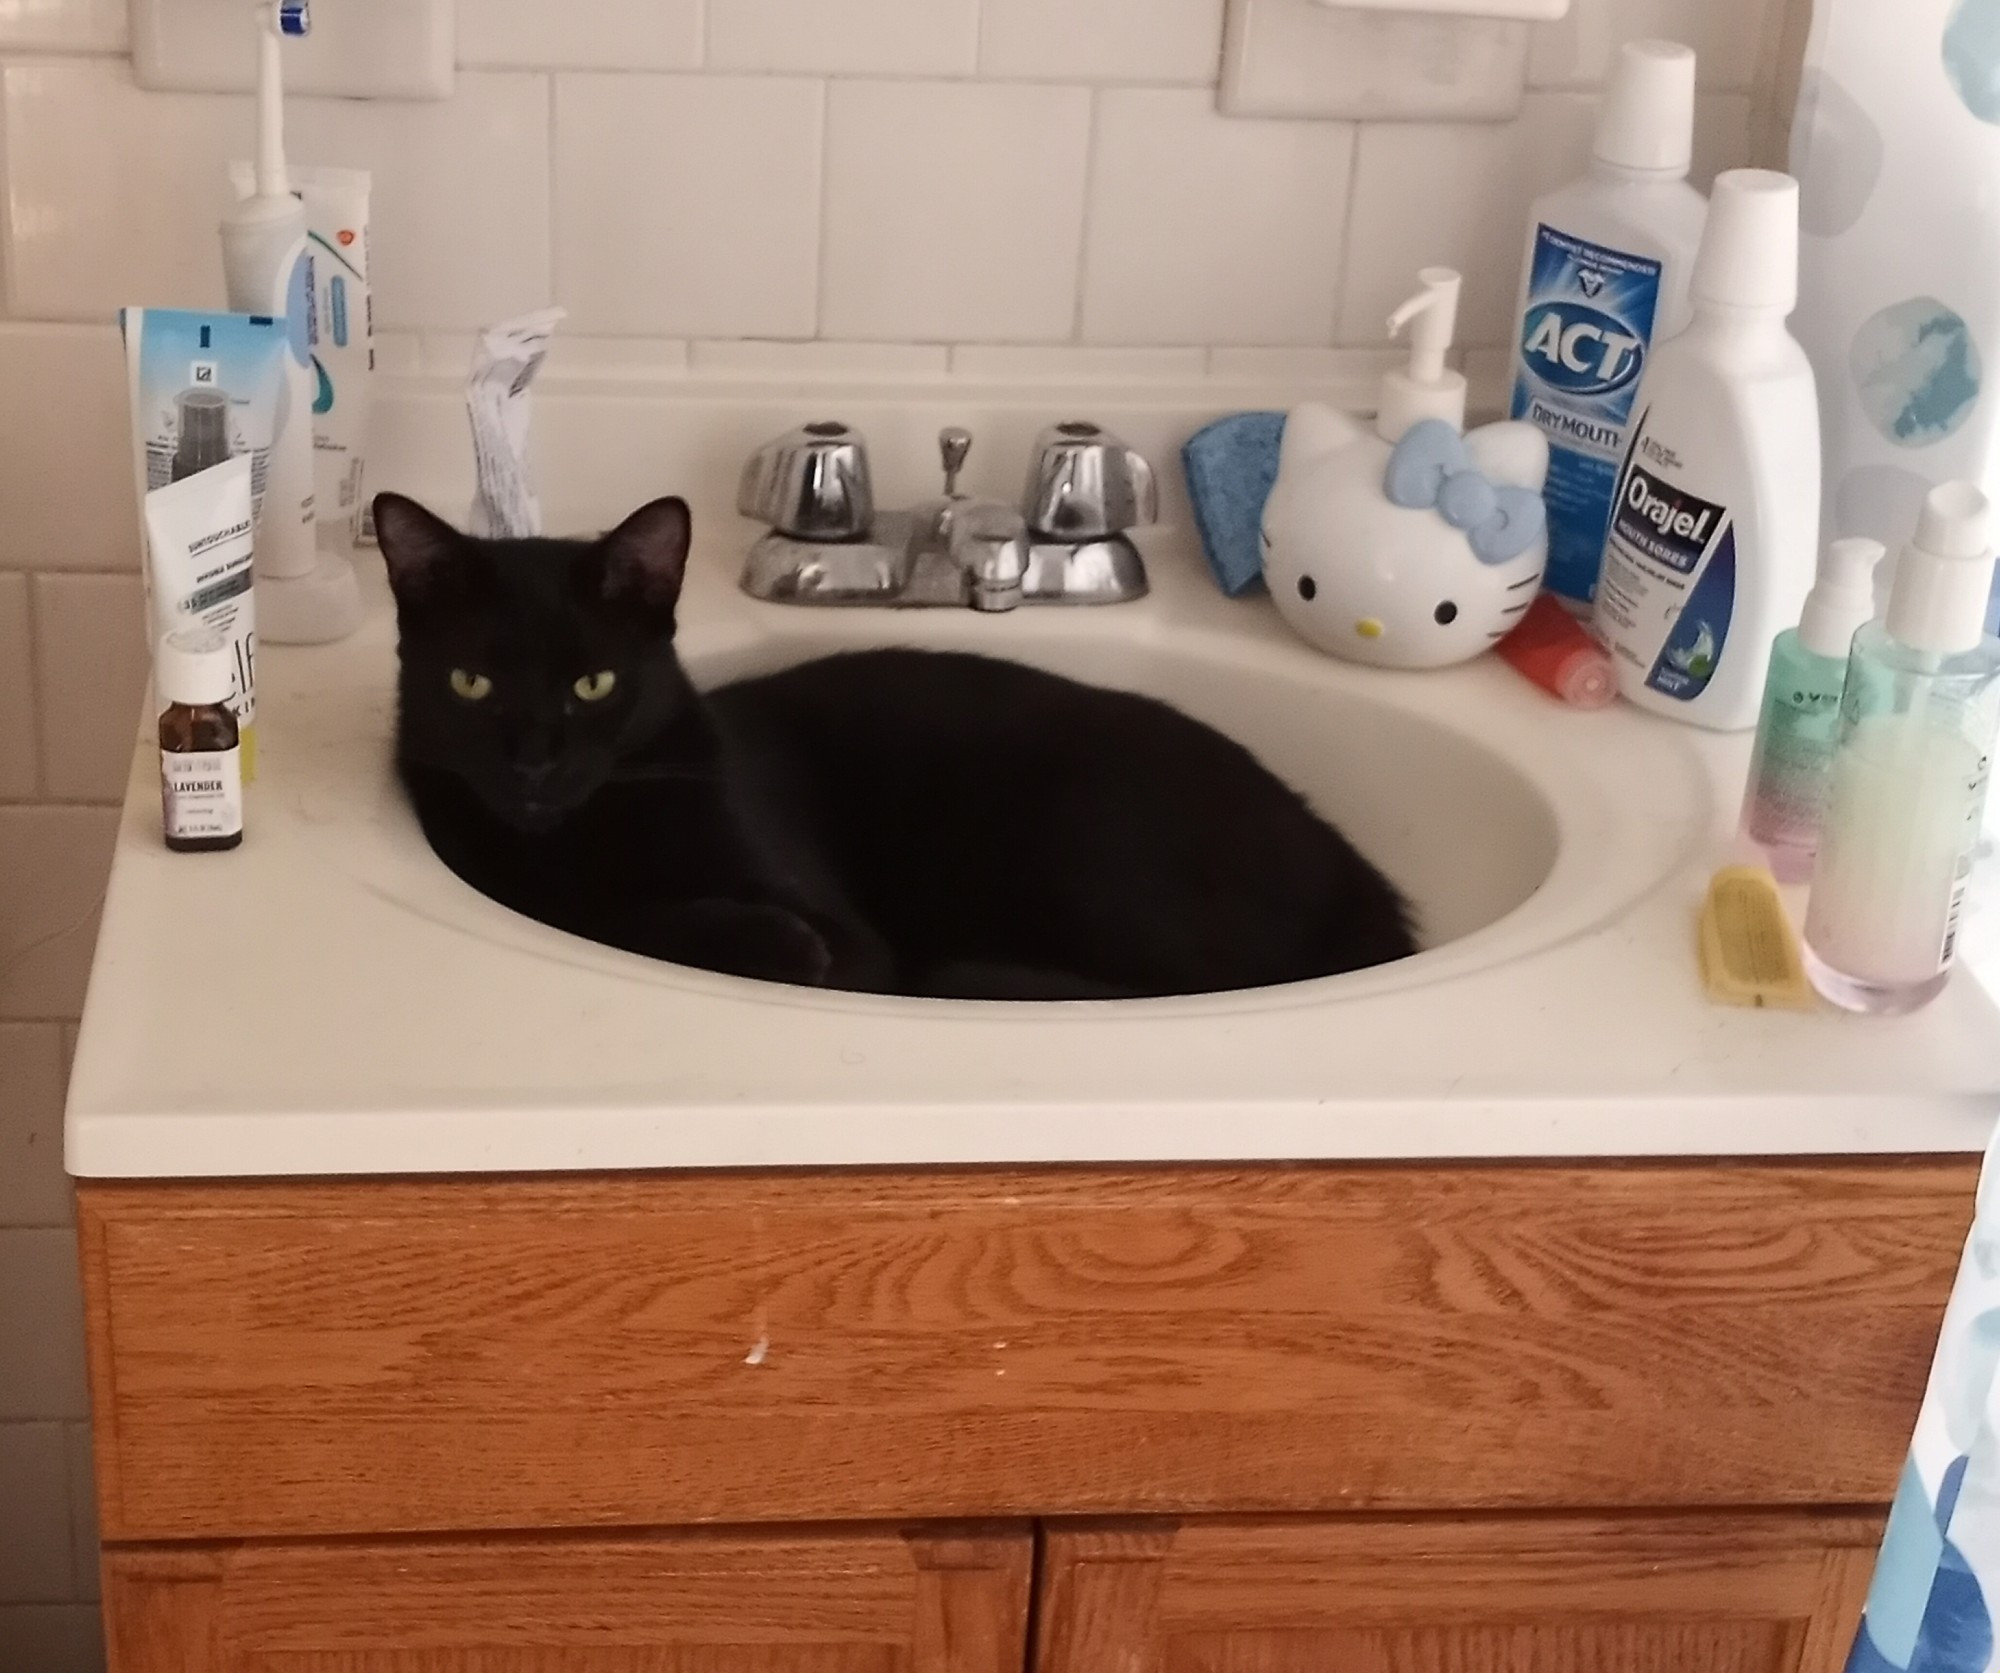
{"points": [[1408, 544]]}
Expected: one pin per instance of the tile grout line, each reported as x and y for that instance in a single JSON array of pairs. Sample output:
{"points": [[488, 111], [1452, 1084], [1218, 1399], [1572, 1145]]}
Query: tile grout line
{"points": [[75, 1429], [7, 281], [823, 233], [36, 705], [550, 163], [1341, 274], [1093, 131]]}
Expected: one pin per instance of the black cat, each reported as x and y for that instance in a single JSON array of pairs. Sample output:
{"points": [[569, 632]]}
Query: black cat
{"points": [[889, 821]]}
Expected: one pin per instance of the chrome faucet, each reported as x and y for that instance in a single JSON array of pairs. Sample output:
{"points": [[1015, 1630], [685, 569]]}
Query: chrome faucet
{"points": [[827, 544]]}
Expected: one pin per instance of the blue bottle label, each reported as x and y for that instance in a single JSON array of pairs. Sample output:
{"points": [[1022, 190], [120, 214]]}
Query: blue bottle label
{"points": [[1584, 337], [1668, 591]]}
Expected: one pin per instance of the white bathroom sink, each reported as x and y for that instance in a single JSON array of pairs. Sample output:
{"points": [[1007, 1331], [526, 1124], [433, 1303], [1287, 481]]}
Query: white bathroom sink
{"points": [[1477, 818], [386, 1018], [1405, 788]]}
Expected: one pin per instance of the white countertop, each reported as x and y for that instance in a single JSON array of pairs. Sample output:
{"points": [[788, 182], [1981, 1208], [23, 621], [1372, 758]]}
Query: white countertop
{"points": [[330, 1000]]}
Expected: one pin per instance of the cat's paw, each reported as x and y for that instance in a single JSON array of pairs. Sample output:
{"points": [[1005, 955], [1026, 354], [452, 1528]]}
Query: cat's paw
{"points": [[761, 941]]}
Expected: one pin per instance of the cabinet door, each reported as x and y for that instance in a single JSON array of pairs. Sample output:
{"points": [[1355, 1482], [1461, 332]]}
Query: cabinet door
{"points": [[1693, 1594], [866, 1602]]}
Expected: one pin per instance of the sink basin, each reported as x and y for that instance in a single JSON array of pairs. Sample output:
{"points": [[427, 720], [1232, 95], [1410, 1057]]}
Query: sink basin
{"points": [[1509, 824], [1404, 788]]}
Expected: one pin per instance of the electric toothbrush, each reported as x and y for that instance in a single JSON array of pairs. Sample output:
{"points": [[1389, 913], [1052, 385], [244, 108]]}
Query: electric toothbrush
{"points": [[304, 595]]}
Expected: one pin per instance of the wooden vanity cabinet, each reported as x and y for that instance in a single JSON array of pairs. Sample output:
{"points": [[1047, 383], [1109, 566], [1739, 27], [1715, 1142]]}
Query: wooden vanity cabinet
{"points": [[868, 1601], [1360, 1419], [1725, 1593], [1715, 1593]]}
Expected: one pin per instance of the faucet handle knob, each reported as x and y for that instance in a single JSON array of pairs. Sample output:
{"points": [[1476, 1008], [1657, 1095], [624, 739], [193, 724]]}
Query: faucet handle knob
{"points": [[953, 445], [811, 483], [1085, 484]]}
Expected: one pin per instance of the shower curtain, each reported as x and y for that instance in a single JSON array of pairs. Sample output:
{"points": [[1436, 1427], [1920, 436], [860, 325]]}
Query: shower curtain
{"points": [[1933, 1605]]}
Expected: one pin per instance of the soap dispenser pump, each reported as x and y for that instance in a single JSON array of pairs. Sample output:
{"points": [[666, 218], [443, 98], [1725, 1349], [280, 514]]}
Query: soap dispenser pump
{"points": [[1407, 544], [1427, 387]]}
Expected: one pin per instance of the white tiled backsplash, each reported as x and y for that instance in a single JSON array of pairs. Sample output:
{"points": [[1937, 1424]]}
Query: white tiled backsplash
{"points": [[1002, 190]]}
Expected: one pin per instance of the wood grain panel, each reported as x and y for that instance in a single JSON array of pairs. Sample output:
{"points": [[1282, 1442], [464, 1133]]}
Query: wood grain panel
{"points": [[381, 1357], [1718, 1592], [813, 1601]]}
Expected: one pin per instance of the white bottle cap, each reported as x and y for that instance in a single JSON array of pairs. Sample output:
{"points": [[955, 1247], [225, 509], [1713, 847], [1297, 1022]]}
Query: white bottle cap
{"points": [[1428, 388], [193, 666], [1749, 255], [1938, 600], [1842, 600], [1647, 121]]}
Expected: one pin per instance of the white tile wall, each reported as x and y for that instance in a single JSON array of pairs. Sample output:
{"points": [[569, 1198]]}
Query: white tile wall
{"points": [[90, 636], [881, 37], [1170, 41], [1001, 363], [604, 35], [65, 459], [765, 191], [688, 206], [41, 1321], [54, 1638], [1204, 229], [53, 863], [1423, 196], [37, 1561], [112, 193], [63, 25], [82, 1507], [953, 211], [18, 778], [34, 1190], [750, 358]]}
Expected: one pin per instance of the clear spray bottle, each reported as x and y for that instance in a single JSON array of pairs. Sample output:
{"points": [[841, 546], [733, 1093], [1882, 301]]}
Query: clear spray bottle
{"points": [[1918, 717]]}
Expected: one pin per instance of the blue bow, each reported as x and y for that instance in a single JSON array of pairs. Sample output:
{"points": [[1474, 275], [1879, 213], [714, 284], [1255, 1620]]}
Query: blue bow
{"points": [[1431, 467]]}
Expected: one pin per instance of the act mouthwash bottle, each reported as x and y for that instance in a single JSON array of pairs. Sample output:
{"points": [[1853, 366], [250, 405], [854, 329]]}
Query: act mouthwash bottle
{"points": [[1607, 277]]}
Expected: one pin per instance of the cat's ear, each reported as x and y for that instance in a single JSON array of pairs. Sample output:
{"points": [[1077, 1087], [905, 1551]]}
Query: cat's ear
{"points": [[421, 550], [645, 557]]}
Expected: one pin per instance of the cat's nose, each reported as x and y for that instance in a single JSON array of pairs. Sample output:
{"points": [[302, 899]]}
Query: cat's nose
{"points": [[536, 772], [1368, 627]]}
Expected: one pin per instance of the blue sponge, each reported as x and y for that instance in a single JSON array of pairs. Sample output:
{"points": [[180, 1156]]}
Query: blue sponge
{"points": [[1231, 465]]}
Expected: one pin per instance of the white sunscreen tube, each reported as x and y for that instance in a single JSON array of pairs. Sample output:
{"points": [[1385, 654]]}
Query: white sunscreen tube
{"points": [[198, 574]]}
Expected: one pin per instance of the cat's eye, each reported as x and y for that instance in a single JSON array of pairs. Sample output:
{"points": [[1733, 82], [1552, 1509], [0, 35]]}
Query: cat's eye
{"points": [[472, 687], [594, 688]]}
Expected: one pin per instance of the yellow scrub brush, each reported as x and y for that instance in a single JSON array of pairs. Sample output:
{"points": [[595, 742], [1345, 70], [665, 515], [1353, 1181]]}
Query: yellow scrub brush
{"points": [[1749, 950]]}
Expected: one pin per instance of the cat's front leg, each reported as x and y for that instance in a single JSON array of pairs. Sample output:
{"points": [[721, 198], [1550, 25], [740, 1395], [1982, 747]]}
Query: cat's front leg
{"points": [[762, 941]]}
